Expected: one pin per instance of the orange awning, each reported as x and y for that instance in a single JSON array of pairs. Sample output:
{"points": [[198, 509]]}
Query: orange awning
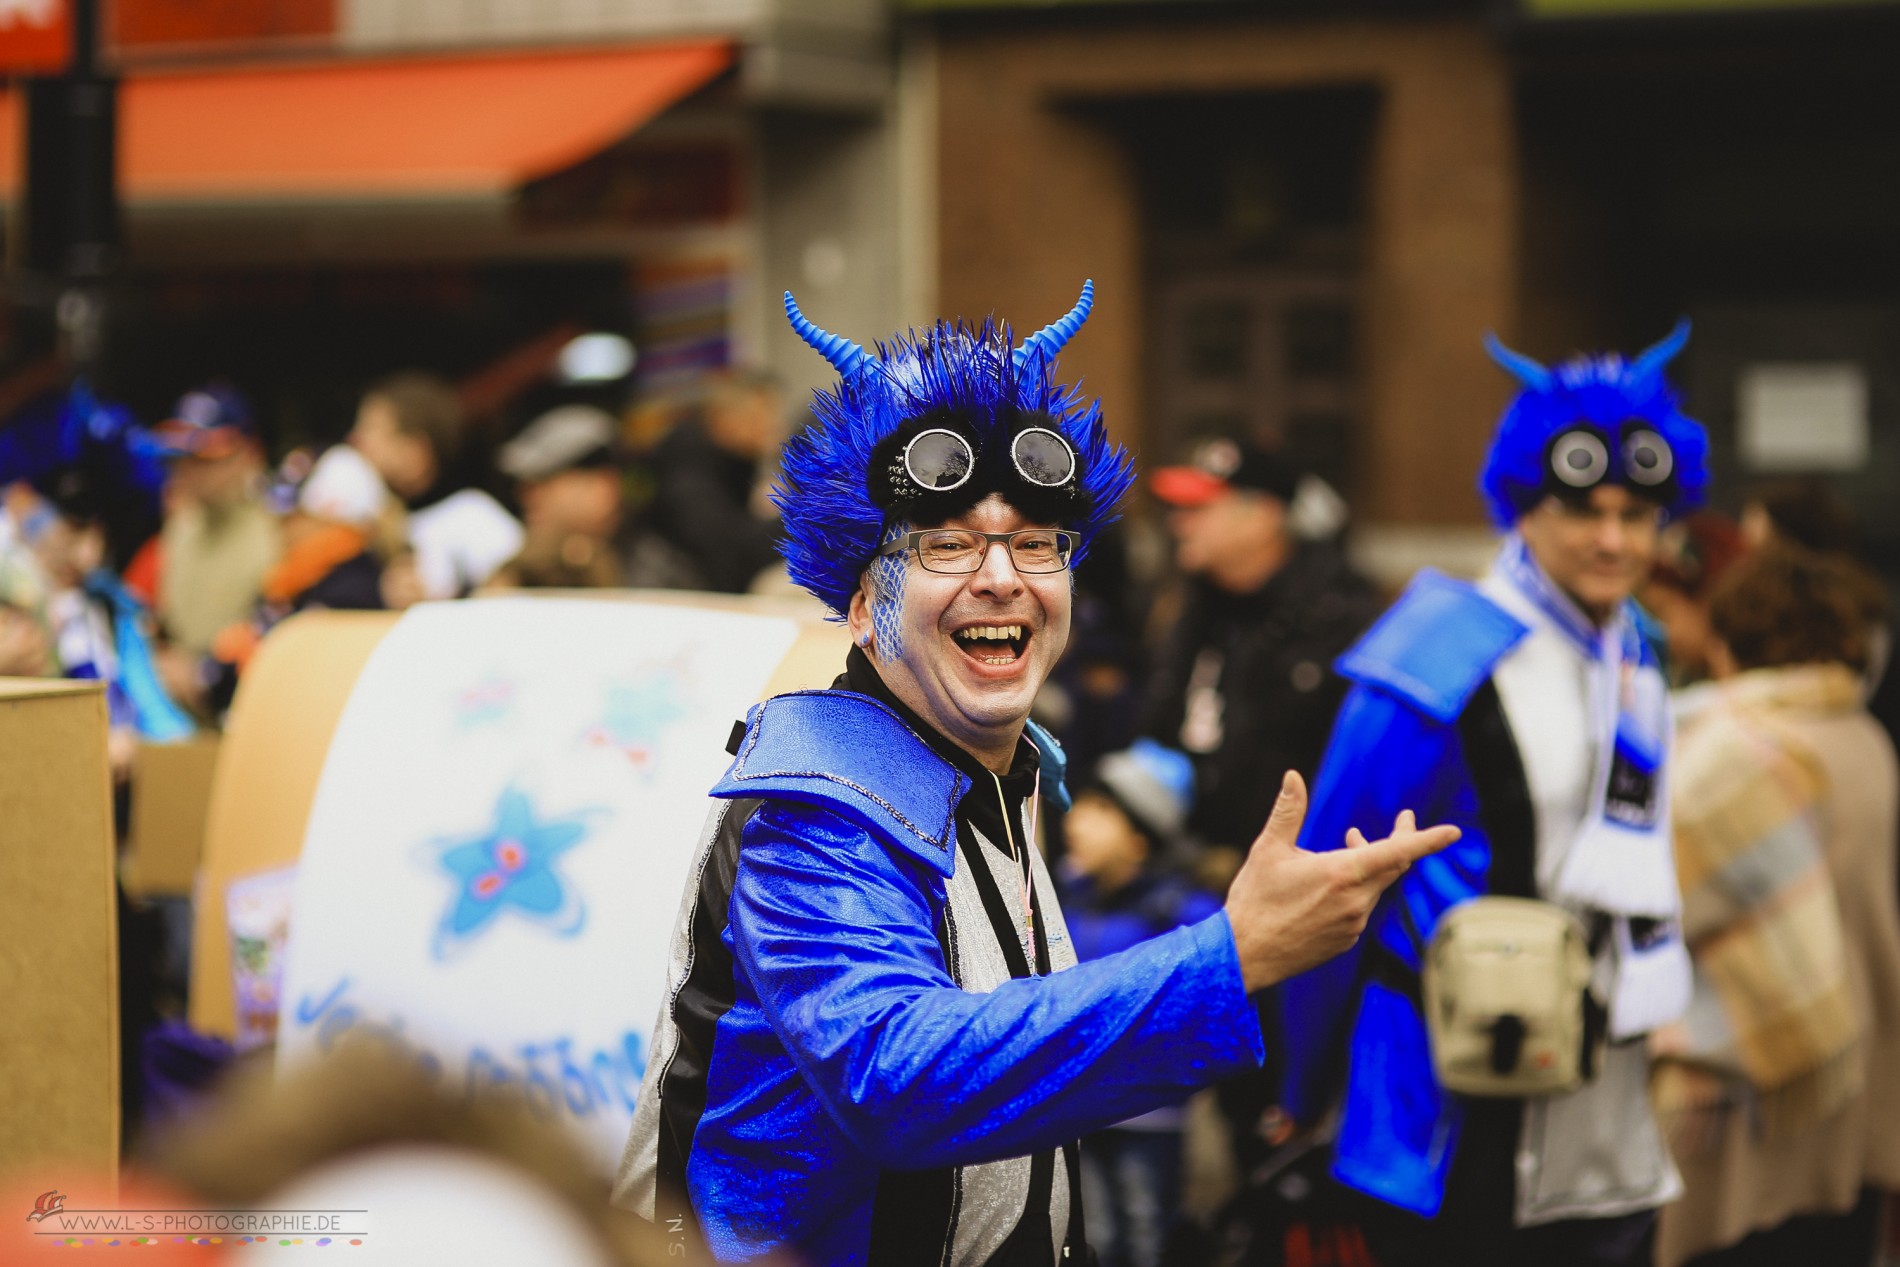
{"points": [[396, 128]]}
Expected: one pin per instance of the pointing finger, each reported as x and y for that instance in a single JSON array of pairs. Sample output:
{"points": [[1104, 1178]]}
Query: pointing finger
{"points": [[1396, 853], [1289, 811]]}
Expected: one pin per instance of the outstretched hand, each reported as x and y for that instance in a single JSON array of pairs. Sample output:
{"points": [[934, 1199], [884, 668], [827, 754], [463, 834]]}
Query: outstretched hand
{"points": [[1293, 909]]}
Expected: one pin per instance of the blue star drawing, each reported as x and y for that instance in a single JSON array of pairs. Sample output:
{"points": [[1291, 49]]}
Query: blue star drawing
{"points": [[636, 716], [511, 865]]}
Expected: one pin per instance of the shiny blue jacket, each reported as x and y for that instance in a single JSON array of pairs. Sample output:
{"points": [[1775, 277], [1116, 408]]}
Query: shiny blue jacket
{"points": [[1396, 745], [830, 1045]]}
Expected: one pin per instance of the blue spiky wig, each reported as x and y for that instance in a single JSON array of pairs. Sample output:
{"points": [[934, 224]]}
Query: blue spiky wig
{"points": [[1592, 421], [82, 453], [836, 495]]}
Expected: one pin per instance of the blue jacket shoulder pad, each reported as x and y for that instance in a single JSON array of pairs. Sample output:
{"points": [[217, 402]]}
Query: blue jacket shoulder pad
{"points": [[1435, 646], [847, 752]]}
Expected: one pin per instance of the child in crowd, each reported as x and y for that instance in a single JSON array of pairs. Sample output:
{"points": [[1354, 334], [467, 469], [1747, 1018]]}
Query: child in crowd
{"points": [[1122, 884], [414, 432]]}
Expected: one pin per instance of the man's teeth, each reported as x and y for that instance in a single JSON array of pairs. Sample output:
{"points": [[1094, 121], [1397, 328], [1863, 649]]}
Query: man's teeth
{"points": [[1005, 641]]}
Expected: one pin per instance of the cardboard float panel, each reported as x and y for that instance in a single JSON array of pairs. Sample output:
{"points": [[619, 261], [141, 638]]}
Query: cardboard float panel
{"points": [[59, 1039], [171, 796], [274, 743], [286, 713]]}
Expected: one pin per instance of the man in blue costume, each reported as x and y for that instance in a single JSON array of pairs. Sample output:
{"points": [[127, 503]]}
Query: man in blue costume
{"points": [[1529, 711], [876, 1045]]}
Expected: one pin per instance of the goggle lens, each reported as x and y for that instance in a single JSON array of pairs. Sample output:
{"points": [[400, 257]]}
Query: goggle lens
{"points": [[938, 461], [1043, 458]]}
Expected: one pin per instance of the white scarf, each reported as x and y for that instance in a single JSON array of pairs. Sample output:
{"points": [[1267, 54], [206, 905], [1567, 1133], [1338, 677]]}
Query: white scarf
{"points": [[1621, 861]]}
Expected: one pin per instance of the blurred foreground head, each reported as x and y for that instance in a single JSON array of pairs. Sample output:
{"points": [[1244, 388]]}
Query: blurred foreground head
{"points": [[441, 1179]]}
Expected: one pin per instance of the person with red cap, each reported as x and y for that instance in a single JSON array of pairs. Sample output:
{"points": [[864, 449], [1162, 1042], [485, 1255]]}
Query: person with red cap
{"points": [[1245, 682]]}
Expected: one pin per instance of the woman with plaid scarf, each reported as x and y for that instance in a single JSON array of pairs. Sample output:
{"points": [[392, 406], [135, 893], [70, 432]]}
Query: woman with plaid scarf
{"points": [[1781, 1087]]}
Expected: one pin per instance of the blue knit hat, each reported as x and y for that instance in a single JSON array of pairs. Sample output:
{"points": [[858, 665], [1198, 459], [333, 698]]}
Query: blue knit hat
{"points": [[1154, 785]]}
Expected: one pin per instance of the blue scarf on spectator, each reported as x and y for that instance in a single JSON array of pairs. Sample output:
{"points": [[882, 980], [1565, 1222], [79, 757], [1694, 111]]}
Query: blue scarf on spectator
{"points": [[153, 713]]}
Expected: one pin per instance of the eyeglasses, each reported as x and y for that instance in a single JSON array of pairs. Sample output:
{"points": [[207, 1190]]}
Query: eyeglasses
{"points": [[956, 551]]}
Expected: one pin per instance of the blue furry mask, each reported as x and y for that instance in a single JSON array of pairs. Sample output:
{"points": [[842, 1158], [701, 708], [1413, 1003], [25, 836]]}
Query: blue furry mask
{"points": [[1590, 422], [925, 427]]}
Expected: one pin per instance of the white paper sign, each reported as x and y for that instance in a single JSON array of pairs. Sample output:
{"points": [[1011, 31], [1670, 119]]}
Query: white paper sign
{"points": [[1803, 417], [498, 846]]}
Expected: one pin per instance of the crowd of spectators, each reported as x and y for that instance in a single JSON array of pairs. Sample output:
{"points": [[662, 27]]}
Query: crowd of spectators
{"points": [[156, 559]]}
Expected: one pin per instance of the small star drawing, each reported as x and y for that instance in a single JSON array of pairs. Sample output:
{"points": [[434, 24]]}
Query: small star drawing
{"points": [[636, 717], [511, 865]]}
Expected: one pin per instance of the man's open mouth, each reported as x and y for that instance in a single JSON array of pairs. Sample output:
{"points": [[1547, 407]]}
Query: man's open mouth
{"points": [[993, 644]]}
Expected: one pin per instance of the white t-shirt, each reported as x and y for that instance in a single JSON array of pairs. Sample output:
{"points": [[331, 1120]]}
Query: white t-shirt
{"points": [[461, 541]]}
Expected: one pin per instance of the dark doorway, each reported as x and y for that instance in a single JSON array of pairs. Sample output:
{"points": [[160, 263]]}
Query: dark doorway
{"points": [[1254, 209]]}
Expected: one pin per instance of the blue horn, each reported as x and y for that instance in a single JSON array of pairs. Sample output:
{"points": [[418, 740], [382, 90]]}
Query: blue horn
{"points": [[844, 355], [1521, 367], [1655, 358], [1049, 340]]}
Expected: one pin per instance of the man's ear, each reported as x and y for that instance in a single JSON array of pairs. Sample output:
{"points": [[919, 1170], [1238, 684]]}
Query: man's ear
{"points": [[858, 615]]}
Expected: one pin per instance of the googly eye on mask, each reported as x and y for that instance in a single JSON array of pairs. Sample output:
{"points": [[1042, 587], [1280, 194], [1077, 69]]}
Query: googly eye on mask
{"points": [[1579, 459], [1582, 458], [1648, 460]]}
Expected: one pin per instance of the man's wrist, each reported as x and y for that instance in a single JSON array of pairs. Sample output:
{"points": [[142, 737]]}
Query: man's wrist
{"points": [[1253, 958]]}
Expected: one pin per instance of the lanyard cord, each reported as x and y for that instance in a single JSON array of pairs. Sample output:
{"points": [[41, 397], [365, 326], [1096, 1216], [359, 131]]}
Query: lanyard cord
{"points": [[1021, 860]]}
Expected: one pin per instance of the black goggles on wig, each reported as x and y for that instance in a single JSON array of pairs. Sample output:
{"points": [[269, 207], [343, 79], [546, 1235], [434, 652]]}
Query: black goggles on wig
{"points": [[939, 460]]}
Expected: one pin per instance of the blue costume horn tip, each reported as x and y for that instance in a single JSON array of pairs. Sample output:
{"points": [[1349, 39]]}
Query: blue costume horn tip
{"points": [[1521, 367], [1664, 351], [845, 356], [1050, 339]]}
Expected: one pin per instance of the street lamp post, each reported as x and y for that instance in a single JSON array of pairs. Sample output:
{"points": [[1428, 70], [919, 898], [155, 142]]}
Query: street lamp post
{"points": [[65, 230]]}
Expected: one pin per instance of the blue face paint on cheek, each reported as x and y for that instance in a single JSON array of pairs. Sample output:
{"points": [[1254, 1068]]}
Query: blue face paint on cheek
{"points": [[887, 608]]}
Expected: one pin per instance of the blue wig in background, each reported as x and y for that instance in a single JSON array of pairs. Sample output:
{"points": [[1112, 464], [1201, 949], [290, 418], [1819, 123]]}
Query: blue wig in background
{"points": [[58, 437], [1594, 421], [841, 488]]}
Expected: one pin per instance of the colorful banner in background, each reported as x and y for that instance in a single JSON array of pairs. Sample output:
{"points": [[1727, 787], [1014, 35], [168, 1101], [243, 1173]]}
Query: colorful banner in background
{"points": [[496, 853], [36, 36]]}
